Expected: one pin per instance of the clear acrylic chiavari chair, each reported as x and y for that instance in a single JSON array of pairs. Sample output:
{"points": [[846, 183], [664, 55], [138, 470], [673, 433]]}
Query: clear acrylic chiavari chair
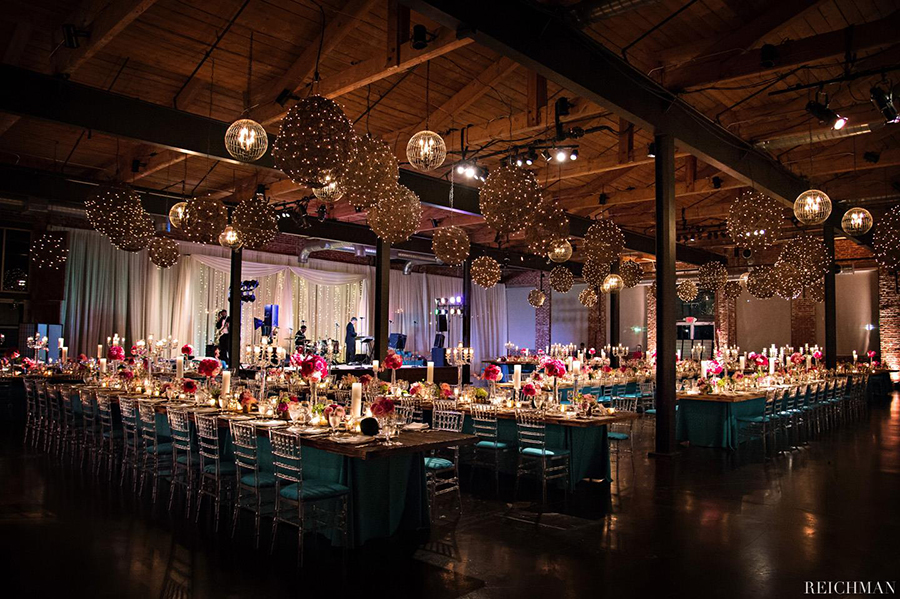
{"points": [[535, 457], [108, 449], [216, 474], [156, 459], [250, 480], [91, 438], [183, 470], [131, 442], [489, 448], [442, 466]]}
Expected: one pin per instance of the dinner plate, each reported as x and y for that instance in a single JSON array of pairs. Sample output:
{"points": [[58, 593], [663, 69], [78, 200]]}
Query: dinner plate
{"points": [[354, 440], [269, 423], [416, 426]]}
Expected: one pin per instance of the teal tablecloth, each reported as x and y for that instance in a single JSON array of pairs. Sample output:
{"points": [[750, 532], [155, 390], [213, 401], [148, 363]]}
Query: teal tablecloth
{"points": [[879, 386], [712, 423]]}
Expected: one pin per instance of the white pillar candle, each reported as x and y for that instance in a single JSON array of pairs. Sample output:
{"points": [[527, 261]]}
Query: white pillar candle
{"points": [[356, 400], [704, 366], [102, 365], [517, 376], [65, 354], [743, 363], [854, 355], [226, 382], [61, 342], [808, 361], [772, 365], [429, 376], [179, 367], [375, 365], [99, 351], [576, 367]]}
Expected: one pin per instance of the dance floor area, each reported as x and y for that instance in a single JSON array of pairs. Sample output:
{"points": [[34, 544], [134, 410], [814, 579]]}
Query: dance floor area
{"points": [[720, 524]]}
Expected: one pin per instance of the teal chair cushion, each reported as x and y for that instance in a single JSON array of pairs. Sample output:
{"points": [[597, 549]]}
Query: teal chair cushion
{"points": [[492, 444], [224, 468], [437, 463], [547, 451], [116, 434], [754, 419], [650, 411], [618, 436], [160, 448], [266, 479], [182, 459], [314, 490]]}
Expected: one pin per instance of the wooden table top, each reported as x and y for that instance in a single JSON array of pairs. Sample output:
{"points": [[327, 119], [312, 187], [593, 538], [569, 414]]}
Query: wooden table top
{"points": [[720, 398], [557, 417]]}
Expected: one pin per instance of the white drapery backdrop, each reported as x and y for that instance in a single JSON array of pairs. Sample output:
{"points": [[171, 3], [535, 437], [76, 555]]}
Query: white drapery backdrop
{"points": [[109, 291]]}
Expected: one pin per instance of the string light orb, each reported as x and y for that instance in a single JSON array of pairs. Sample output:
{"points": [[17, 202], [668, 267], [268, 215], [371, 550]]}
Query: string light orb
{"points": [[604, 241], [231, 238], [246, 140], [631, 273], [561, 279], [857, 221], [613, 283], [451, 245], [204, 218], [812, 207], [588, 297], [315, 141], [754, 221], [594, 273], [49, 252], [686, 290], [163, 252], [256, 221], [760, 283], [887, 240], [536, 298], [560, 250], [731, 290], [116, 212], [15, 279], [426, 150], [816, 291], [332, 191], [396, 217], [712, 276], [371, 174], [486, 271], [549, 224], [787, 281], [809, 258], [176, 214], [135, 230], [508, 199]]}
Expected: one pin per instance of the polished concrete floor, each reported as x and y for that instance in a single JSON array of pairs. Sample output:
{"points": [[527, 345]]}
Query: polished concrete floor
{"points": [[706, 524]]}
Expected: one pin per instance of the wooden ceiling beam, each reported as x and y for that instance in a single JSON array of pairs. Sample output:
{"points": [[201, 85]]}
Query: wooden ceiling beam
{"points": [[648, 194]]}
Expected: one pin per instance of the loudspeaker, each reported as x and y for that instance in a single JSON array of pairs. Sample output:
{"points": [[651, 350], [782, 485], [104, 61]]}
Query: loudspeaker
{"points": [[439, 340], [437, 356], [442, 323], [397, 341]]}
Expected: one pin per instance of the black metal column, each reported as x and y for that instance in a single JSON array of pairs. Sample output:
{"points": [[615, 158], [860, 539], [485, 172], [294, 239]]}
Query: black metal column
{"points": [[382, 298], [830, 309], [615, 328], [665, 294], [234, 309], [467, 314]]}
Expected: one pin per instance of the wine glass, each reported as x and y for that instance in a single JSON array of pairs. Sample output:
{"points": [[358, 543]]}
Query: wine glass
{"points": [[334, 420], [294, 411]]}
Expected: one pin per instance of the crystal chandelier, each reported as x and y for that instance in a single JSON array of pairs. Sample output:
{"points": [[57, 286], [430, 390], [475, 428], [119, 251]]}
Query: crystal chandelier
{"points": [[812, 207]]}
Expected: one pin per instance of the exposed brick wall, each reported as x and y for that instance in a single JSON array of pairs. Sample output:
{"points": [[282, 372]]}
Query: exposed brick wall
{"points": [[803, 322], [844, 249], [542, 315], [597, 324], [889, 317], [726, 321], [651, 322]]}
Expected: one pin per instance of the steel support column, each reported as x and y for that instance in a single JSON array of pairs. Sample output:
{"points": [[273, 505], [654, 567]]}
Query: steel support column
{"points": [[382, 298], [615, 327], [234, 310], [830, 309], [665, 294]]}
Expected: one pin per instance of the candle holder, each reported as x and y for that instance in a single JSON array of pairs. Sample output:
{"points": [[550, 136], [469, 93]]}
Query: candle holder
{"points": [[38, 344], [620, 352], [459, 356]]}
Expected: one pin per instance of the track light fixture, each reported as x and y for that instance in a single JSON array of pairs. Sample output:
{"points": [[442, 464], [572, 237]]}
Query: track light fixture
{"points": [[420, 37], [651, 151], [470, 170], [825, 115], [883, 99], [71, 34]]}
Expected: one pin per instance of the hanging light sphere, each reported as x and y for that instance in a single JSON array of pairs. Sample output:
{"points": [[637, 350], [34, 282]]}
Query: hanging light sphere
{"points": [[316, 140], [536, 298], [754, 221], [712, 276], [812, 207], [426, 150], [231, 238], [887, 240], [744, 277], [613, 283], [686, 290], [760, 283], [135, 231], [549, 224], [204, 218], [561, 279], [396, 217], [594, 273], [176, 214], [163, 252], [246, 140], [809, 258], [116, 212], [332, 191], [787, 281], [731, 290], [604, 241], [857, 221], [631, 273], [588, 297], [486, 271], [371, 174], [560, 250], [49, 251], [15, 279], [256, 221], [451, 245], [508, 199], [816, 291]]}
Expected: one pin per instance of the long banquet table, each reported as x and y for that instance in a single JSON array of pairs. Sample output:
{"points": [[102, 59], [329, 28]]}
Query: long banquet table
{"points": [[711, 420]]}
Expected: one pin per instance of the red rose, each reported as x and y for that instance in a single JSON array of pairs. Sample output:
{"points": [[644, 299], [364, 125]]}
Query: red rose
{"points": [[187, 349], [365, 379], [115, 353], [529, 390], [209, 367], [493, 373], [189, 386], [393, 361]]}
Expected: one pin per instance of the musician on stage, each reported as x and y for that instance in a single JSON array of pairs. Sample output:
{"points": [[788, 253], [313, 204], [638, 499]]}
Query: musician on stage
{"points": [[350, 340], [223, 336], [300, 339]]}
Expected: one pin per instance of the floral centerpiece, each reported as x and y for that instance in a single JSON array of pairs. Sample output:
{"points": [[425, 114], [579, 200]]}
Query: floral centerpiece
{"points": [[383, 409], [393, 361], [445, 391], [492, 374], [187, 350], [334, 414], [313, 369], [247, 401], [556, 369], [209, 367], [115, 353], [585, 402], [283, 404], [189, 387]]}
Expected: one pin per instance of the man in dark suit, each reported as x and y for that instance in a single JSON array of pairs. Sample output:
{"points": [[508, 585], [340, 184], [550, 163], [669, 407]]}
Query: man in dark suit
{"points": [[350, 340]]}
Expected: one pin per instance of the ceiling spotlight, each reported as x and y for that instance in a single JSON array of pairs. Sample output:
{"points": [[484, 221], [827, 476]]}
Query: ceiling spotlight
{"points": [[530, 157], [883, 99], [322, 212], [872, 157], [419, 37], [545, 154], [574, 154], [651, 151], [825, 115], [561, 155]]}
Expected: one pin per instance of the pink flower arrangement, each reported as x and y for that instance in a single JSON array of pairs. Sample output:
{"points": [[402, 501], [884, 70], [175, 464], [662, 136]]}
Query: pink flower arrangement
{"points": [[115, 352], [187, 350], [796, 358], [607, 369], [365, 379], [82, 358], [335, 409], [417, 389], [529, 390], [126, 375], [715, 368], [247, 398], [592, 351], [296, 359], [554, 368], [537, 376], [314, 368], [492, 373], [817, 355], [871, 353], [209, 367], [189, 386], [393, 361], [761, 360], [382, 406], [446, 391]]}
